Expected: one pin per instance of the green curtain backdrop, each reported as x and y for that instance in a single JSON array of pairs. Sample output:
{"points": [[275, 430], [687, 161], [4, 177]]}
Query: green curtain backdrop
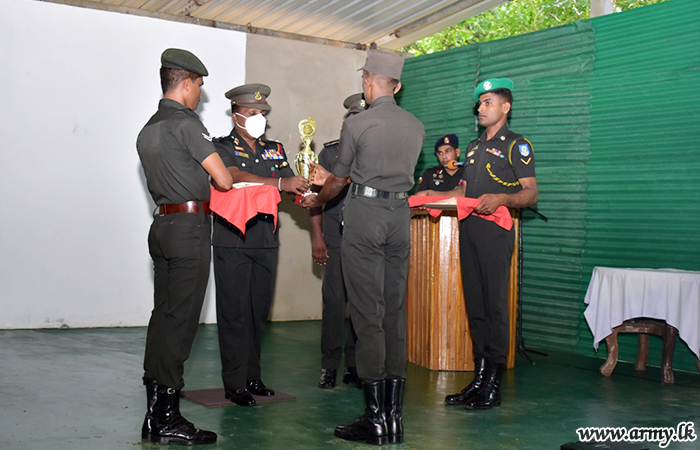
{"points": [[611, 107]]}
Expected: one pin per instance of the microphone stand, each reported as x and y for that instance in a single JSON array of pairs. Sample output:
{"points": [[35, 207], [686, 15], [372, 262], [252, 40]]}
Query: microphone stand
{"points": [[520, 342]]}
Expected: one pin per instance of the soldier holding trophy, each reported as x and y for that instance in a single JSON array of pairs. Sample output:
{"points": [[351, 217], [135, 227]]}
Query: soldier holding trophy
{"points": [[245, 264]]}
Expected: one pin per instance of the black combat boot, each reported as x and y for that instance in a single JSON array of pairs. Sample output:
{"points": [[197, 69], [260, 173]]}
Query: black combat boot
{"points": [[350, 377], [149, 423], [461, 398], [168, 425], [393, 405], [490, 393], [370, 426], [327, 380]]}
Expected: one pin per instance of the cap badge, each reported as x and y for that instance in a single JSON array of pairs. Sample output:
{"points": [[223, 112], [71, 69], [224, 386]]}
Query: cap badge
{"points": [[363, 103], [447, 140], [487, 85], [258, 96]]}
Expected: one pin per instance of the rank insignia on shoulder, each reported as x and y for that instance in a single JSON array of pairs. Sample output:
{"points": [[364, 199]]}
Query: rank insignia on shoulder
{"points": [[207, 137], [241, 154], [420, 180], [524, 150]]}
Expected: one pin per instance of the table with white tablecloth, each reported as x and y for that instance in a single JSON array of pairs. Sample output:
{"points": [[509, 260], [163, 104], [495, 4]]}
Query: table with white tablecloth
{"points": [[617, 295]]}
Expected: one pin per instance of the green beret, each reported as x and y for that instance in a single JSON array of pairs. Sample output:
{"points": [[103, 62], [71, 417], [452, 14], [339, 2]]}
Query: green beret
{"points": [[250, 96], [175, 58], [355, 103], [385, 63], [491, 85]]}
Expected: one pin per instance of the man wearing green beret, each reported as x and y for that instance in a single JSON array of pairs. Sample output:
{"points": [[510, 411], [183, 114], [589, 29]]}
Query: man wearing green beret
{"points": [[500, 170], [178, 158], [326, 234], [245, 265], [379, 149]]}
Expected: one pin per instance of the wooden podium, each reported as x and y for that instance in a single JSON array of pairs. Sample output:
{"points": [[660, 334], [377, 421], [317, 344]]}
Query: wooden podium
{"points": [[437, 327]]}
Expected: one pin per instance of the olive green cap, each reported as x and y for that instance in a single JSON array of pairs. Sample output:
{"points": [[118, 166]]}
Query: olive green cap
{"points": [[176, 58], [252, 95], [491, 85], [385, 63], [355, 103]]}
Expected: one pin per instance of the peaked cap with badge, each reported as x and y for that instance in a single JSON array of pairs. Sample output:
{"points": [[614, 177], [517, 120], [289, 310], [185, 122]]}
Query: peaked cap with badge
{"points": [[176, 58], [252, 95], [491, 85], [354, 104], [385, 63], [450, 139]]}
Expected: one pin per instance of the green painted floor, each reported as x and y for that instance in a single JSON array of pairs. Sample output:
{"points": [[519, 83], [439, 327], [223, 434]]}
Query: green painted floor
{"points": [[81, 389]]}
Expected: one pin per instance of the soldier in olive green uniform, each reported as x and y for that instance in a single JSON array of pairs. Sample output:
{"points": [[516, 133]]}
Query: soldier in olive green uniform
{"points": [[500, 170], [326, 233], [245, 265], [379, 149], [177, 158]]}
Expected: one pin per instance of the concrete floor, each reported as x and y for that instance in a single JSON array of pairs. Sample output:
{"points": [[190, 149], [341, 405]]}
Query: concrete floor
{"points": [[81, 389]]}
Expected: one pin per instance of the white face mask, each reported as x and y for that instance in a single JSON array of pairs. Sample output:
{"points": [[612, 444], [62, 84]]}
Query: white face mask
{"points": [[254, 125]]}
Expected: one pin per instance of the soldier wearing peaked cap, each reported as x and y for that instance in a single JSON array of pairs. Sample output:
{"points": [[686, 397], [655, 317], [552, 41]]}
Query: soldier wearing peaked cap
{"points": [[379, 149], [326, 233], [245, 265], [500, 170], [442, 178], [178, 158]]}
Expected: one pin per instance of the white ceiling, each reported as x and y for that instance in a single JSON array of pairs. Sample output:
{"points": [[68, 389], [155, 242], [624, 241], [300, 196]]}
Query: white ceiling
{"points": [[388, 24]]}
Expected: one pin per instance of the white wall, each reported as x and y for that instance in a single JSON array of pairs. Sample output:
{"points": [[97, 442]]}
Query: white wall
{"points": [[77, 86]]}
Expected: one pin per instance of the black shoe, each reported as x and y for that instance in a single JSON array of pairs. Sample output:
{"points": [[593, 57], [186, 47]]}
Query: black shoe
{"points": [[164, 423], [461, 398], [370, 426], [393, 406], [489, 395], [350, 377], [256, 387], [327, 380], [241, 397]]}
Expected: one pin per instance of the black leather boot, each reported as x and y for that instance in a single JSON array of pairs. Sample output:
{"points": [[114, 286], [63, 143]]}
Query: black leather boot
{"points": [[327, 380], [393, 405], [169, 425], [490, 393], [150, 424], [461, 398], [370, 426], [350, 377]]}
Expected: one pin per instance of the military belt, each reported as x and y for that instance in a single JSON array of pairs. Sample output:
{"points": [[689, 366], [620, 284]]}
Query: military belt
{"points": [[366, 191], [191, 207]]}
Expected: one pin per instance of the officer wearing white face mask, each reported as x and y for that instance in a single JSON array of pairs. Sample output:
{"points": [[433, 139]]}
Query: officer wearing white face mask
{"points": [[245, 265]]}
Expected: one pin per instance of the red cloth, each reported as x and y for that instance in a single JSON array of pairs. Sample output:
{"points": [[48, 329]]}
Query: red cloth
{"points": [[465, 206], [238, 206]]}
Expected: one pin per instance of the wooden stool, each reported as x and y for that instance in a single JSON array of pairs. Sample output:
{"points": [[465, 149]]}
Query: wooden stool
{"points": [[644, 327]]}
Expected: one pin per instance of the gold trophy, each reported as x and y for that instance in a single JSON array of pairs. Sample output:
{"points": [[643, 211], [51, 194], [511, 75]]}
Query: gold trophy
{"points": [[303, 159]]}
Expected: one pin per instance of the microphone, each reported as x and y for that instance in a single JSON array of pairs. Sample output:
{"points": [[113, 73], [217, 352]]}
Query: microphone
{"points": [[452, 165]]}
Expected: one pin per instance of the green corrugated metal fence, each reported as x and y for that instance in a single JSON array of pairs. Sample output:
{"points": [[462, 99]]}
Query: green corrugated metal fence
{"points": [[611, 108]]}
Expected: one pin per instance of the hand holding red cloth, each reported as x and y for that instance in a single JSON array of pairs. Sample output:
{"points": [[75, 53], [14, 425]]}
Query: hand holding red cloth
{"points": [[465, 207], [238, 206]]}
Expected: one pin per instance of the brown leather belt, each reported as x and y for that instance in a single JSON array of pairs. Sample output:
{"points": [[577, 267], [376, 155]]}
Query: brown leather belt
{"points": [[191, 207]]}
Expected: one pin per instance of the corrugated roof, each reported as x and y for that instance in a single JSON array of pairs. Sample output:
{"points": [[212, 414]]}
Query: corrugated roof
{"points": [[389, 24]]}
